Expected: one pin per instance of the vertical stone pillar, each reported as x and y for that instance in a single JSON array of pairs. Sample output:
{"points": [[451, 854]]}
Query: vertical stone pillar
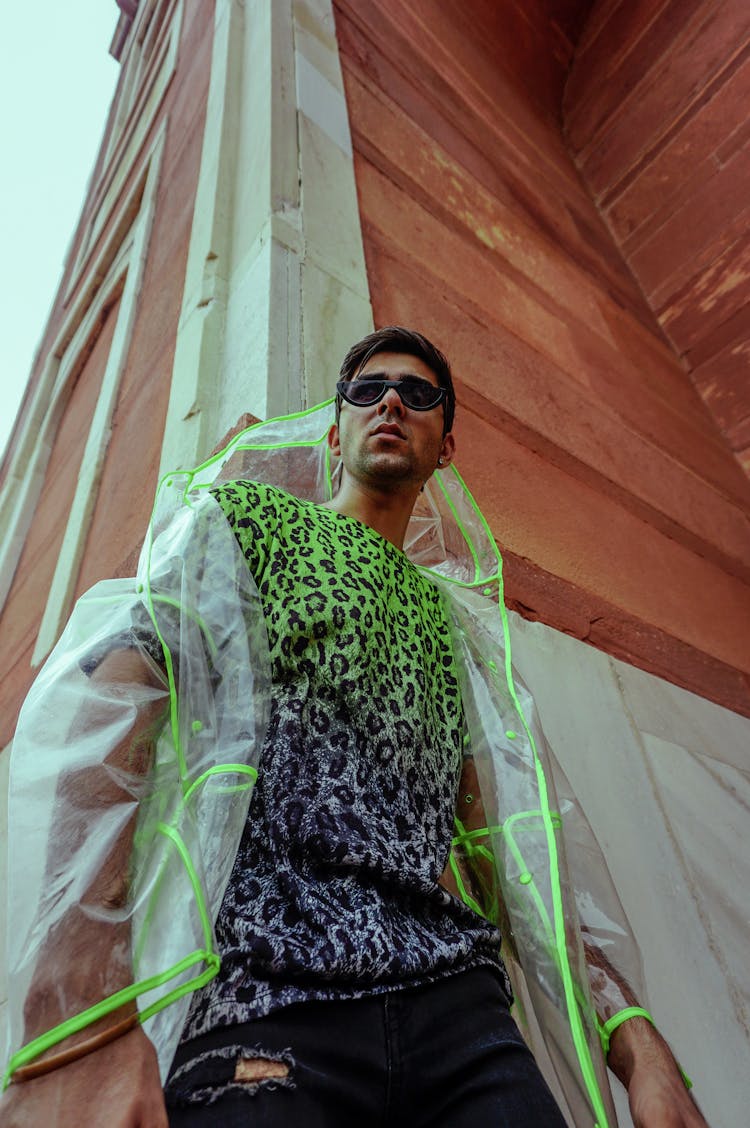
{"points": [[275, 286]]}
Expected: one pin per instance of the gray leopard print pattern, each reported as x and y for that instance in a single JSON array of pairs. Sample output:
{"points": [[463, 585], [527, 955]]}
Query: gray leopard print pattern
{"points": [[334, 892]]}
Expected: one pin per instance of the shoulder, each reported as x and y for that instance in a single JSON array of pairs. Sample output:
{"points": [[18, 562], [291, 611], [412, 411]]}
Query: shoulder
{"points": [[426, 592], [246, 498], [249, 494], [258, 510]]}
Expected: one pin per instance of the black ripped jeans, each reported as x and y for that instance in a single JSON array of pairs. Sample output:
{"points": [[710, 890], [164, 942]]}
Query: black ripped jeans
{"points": [[447, 1055]]}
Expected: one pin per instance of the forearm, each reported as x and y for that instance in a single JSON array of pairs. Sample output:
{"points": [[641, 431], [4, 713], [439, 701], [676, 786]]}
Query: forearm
{"points": [[105, 1074], [116, 1086], [637, 1053], [658, 1096], [635, 1044], [85, 956]]}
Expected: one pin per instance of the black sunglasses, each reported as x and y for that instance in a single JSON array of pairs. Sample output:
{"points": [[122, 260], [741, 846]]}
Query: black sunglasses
{"points": [[419, 395]]}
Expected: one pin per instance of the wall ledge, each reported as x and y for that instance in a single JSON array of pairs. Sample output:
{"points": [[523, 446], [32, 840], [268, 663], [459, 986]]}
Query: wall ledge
{"points": [[540, 596]]}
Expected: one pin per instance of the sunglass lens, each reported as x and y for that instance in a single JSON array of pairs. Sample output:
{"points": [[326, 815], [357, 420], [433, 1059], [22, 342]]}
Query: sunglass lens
{"points": [[364, 391], [420, 394]]}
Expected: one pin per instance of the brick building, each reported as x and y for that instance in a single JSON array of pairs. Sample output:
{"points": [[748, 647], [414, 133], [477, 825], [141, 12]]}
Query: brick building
{"points": [[554, 192]]}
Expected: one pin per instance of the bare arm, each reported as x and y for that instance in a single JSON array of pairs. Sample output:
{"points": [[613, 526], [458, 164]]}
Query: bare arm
{"points": [[657, 1095]]}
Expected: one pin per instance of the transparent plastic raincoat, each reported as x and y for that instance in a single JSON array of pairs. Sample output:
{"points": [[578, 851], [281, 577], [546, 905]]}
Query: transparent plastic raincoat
{"points": [[158, 769]]}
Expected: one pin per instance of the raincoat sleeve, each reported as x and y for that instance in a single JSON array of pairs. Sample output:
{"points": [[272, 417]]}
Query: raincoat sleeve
{"points": [[571, 956], [611, 956], [131, 772]]}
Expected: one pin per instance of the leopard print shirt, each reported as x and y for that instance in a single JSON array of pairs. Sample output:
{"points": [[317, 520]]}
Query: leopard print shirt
{"points": [[334, 893]]}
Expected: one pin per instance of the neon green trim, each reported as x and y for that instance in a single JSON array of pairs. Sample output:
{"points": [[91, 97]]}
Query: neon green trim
{"points": [[525, 816], [469, 835], [295, 444], [480, 517], [217, 769], [558, 934], [469, 585], [113, 1002], [497, 574], [232, 449], [224, 769], [459, 522], [127, 994], [176, 838], [213, 961], [234, 445], [466, 840], [607, 1029]]}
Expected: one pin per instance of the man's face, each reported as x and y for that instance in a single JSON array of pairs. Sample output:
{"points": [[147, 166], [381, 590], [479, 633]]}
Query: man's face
{"points": [[388, 443]]}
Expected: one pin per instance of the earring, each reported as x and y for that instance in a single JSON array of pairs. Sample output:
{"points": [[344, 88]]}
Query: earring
{"points": [[440, 462]]}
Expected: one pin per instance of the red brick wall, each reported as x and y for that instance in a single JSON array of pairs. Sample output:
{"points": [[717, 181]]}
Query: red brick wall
{"points": [[615, 499], [656, 112], [128, 482], [28, 594], [123, 506]]}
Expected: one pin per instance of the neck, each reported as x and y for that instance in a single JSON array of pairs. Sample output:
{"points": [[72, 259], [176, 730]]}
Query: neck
{"points": [[387, 511]]}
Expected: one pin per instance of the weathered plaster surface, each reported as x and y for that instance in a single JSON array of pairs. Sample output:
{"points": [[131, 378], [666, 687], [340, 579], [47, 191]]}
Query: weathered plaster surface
{"points": [[664, 779]]}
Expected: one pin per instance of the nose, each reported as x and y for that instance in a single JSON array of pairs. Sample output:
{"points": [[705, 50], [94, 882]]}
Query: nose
{"points": [[391, 403]]}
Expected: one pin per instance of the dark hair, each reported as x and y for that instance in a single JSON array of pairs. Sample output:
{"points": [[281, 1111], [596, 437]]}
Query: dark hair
{"points": [[394, 338]]}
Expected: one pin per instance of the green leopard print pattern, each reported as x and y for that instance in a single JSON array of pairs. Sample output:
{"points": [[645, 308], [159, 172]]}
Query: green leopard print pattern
{"points": [[335, 889]]}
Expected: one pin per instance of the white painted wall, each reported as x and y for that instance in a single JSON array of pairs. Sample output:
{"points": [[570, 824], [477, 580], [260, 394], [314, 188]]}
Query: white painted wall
{"points": [[276, 287], [664, 777]]}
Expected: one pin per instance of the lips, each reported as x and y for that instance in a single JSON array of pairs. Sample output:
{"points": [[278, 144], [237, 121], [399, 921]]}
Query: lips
{"points": [[389, 429]]}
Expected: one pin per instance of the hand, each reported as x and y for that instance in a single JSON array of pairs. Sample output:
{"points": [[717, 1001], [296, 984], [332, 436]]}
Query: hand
{"points": [[662, 1101], [116, 1086], [656, 1091]]}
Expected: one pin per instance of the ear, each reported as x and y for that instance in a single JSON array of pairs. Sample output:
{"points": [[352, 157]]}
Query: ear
{"points": [[447, 450], [333, 439]]}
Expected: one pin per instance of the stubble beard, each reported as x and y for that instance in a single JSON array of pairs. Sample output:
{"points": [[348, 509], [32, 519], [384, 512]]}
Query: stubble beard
{"points": [[390, 466], [387, 468]]}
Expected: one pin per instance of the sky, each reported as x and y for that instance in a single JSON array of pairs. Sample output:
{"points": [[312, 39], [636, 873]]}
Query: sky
{"points": [[57, 80]]}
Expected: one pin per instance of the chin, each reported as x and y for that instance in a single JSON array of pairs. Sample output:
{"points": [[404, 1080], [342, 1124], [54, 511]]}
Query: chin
{"points": [[391, 466]]}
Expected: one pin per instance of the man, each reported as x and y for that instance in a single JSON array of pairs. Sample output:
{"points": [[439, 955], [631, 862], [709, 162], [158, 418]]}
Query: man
{"points": [[353, 987]]}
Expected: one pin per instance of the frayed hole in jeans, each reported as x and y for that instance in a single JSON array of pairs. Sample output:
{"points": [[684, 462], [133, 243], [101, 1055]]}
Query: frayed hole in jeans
{"points": [[214, 1074], [251, 1070]]}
